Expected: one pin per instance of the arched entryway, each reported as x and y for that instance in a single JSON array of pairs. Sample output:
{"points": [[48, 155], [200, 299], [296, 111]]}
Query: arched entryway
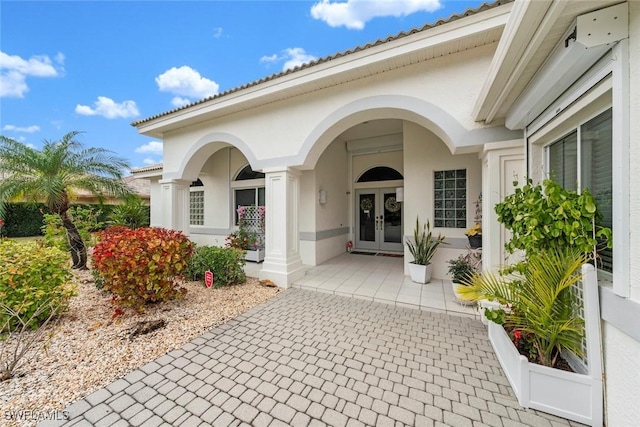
{"points": [[378, 221]]}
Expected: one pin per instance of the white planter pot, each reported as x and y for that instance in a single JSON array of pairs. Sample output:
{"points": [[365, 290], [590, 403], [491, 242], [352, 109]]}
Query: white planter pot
{"points": [[420, 273], [256, 255], [570, 395], [454, 286]]}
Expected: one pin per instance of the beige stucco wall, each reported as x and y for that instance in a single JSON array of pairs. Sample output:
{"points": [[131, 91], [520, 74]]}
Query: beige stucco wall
{"points": [[289, 124], [425, 153]]}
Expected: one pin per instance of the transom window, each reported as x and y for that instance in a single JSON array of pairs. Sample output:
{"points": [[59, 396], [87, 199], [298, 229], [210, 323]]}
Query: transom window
{"points": [[583, 159], [450, 198]]}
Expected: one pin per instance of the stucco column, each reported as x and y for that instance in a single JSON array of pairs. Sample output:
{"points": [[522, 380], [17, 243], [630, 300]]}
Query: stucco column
{"points": [[502, 163], [175, 204], [282, 262]]}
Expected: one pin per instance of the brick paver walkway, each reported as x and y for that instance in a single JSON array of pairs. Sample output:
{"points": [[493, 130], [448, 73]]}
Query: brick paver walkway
{"points": [[310, 359]]}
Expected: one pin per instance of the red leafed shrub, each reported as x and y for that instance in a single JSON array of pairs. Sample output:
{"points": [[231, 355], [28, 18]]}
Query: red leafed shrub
{"points": [[142, 265]]}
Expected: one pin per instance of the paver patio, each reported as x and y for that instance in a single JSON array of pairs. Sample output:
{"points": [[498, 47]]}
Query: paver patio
{"points": [[308, 358]]}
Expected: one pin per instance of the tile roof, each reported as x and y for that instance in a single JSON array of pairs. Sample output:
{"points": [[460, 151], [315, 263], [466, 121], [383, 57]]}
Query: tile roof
{"points": [[469, 12], [150, 168]]}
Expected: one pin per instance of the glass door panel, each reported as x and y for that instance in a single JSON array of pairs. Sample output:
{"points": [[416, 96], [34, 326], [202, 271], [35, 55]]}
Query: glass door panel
{"points": [[378, 220]]}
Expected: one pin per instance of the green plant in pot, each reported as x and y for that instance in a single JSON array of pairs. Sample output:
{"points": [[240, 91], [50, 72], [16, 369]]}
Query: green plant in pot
{"points": [[461, 270], [543, 317], [423, 248]]}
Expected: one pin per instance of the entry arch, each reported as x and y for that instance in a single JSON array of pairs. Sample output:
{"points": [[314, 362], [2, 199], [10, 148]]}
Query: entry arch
{"points": [[403, 107]]}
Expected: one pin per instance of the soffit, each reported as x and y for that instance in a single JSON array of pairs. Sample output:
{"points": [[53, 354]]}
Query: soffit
{"points": [[475, 28], [494, 104]]}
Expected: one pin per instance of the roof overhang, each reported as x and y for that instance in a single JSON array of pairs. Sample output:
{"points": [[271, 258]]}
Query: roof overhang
{"points": [[481, 28], [533, 48]]}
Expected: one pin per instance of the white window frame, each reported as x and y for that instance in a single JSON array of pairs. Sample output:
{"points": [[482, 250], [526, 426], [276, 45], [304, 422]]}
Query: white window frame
{"points": [[246, 184], [609, 75]]}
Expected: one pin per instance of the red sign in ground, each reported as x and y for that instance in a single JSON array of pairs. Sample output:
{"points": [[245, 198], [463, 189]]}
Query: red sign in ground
{"points": [[208, 278]]}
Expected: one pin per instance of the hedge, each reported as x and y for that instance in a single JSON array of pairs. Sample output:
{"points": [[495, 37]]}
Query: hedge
{"points": [[27, 219]]}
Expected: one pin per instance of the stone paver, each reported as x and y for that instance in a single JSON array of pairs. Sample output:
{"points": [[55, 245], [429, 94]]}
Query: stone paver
{"points": [[309, 358]]}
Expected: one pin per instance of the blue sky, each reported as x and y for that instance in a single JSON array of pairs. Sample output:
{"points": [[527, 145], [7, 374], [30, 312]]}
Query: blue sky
{"points": [[96, 66]]}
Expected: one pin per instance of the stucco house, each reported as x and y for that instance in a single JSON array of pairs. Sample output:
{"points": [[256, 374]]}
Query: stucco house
{"points": [[353, 147]]}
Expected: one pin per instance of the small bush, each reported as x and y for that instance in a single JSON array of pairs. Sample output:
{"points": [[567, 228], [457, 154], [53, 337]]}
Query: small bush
{"points": [[143, 265], [225, 264], [132, 214], [30, 274]]}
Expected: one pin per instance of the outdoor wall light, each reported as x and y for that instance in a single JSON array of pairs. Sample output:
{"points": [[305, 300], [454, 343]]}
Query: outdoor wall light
{"points": [[322, 197]]}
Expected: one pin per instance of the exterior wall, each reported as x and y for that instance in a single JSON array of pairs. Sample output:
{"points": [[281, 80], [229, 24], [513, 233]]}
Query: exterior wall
{"points": [[289, 123], [155, 202], [324, 227], [622, 377], [425, 153], [332, 218], [620, 350]]}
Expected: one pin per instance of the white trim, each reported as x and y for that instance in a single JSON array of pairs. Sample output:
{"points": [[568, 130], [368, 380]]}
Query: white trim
{"points": [[621, 172]]}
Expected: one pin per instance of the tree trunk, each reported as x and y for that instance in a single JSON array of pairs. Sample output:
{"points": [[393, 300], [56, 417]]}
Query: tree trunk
{"points": [[76, 245]]}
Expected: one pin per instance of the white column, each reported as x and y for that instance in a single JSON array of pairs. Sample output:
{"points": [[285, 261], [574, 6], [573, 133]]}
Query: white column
{"points": [[282, 262], [502, 163], [175, 204]]}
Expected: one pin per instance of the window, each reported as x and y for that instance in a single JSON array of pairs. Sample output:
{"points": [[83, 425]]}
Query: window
{"points": [[196, 203], [590, 142], [248, 189], [196, 207], [450, 198]]}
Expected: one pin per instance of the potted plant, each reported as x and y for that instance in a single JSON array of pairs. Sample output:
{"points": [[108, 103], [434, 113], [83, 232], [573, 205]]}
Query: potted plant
{"points": [[558, 232], [540, 329], [461, 270], [474, 234], [423, 248]]}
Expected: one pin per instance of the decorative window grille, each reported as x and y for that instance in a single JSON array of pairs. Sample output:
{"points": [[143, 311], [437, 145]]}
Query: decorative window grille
{"points": [[196, 208], [251, 220], [450, 198]]}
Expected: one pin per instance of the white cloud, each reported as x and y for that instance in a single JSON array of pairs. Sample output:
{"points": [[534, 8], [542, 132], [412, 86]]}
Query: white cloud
{"points": [[296, 56], [186, 82], [26, 129], [107, 107], [217, 32], [57, 124], [292, 57], [149, 161], [270, 59], [354, 14], [154, 147], [178, 101], [14, 71]]}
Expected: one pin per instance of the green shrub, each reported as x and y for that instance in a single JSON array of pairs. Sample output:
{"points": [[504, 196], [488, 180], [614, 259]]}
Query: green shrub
{"points": [[142, 265], [85, 217], [226, 264], [132, 214], [31, 274], [23, 219]]}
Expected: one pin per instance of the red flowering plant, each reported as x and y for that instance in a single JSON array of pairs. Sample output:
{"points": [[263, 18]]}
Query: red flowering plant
{"points": [[142, 265]]}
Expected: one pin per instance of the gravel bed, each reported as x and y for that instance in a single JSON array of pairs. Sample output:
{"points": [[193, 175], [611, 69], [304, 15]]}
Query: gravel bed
{"points": [[88, 350]]}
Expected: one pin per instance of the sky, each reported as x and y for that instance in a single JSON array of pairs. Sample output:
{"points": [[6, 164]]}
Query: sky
{"points": [[97, 66]]}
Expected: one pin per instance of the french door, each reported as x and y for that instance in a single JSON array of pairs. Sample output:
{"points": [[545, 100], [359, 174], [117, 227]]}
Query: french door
{"points": [[378, 220]]}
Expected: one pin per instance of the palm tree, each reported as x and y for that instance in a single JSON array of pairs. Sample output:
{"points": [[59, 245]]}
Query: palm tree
{"points": [[52, 174]]}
